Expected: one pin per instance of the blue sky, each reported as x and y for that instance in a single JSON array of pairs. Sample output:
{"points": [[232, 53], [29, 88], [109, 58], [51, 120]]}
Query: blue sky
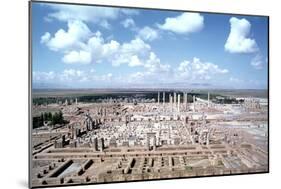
{"points": [[102, 47]]}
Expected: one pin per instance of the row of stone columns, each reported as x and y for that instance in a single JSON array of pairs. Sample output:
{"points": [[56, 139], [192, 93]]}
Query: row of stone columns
{"points": [[174, 100]]}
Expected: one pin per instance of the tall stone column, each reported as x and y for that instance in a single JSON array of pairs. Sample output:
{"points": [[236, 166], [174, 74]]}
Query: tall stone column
{"points": [[193, 103], [164, 98], [158, 98], [208, 99], [179, 99], [171, 101], [185, 100], [175, 98]]}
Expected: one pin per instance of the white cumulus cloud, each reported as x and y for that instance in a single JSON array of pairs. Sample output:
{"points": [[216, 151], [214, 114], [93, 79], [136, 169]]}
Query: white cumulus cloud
{"points": [[136, 50], [77, 57], [80, 45], [43, 76], [70, 75], [153, 65], [154, 73], [183, 24], [97, 15], [257, 62], [197, 70], [135, 61], [63, 40], [148, 34], [128, 23], [238, 40], [45, 38]]}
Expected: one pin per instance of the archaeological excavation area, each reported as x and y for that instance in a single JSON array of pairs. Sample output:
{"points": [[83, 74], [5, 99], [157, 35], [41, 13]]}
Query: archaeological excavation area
{"points": [[172, 134]]}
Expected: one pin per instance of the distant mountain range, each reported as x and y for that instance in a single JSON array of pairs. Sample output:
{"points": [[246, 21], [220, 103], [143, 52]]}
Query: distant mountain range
{"points": [[152, 86]]}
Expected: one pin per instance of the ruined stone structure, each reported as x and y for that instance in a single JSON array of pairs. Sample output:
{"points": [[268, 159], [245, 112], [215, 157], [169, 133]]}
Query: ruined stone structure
{"points": [[121, 140]]}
